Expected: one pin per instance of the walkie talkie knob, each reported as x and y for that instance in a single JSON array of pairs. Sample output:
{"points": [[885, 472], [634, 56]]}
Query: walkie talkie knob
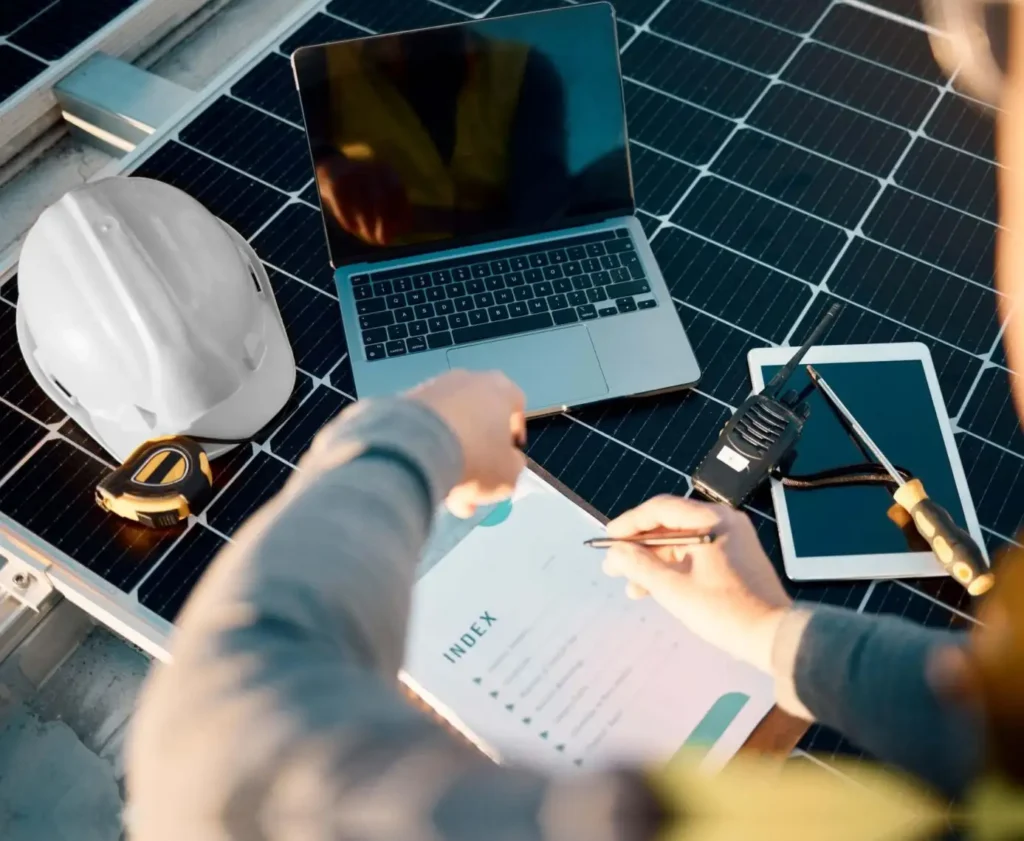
{"points": [[803, 410]]}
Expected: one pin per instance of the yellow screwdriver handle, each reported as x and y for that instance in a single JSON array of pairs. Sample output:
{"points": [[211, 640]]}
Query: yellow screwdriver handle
{"points": [[952, 545]]}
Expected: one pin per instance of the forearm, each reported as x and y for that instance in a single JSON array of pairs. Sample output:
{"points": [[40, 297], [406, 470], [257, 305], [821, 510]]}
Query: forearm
{"points": [[865, 676]]}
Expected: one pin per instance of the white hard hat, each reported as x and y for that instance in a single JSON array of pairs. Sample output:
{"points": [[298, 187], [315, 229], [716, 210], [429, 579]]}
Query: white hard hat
{"points": [[141, 314]]}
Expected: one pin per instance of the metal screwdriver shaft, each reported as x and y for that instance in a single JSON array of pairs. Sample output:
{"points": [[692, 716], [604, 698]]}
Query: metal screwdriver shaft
{"points": [[952, 545]]}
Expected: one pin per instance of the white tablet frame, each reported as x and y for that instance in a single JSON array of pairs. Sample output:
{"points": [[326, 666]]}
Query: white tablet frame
{"points": [[898, 565]]}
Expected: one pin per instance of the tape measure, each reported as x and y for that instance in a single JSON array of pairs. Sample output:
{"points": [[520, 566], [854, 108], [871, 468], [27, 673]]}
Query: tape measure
{"points": [[159, 484]]}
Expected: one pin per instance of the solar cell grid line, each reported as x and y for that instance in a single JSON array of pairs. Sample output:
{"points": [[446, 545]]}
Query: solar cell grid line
{"points": [[722, 345]]}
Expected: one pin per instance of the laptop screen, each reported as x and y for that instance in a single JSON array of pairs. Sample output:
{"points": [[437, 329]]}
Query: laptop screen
{"points": [[440, 137]]}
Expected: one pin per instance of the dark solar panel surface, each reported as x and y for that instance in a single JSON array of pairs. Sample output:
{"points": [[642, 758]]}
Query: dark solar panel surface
{"points": [[36, 33], [786, 154]]}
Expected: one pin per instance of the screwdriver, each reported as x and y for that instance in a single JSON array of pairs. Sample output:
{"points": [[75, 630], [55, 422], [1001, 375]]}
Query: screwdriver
{"points": [[952, 545]]}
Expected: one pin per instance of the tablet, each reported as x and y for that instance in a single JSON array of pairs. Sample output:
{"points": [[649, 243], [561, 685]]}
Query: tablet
{"points": [[845, 532]]}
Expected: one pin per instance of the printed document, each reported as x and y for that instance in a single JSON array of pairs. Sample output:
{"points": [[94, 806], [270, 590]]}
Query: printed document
{"points": [[521, 641]]}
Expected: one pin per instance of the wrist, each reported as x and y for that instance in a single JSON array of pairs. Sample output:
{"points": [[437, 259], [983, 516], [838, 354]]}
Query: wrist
{"points": [[786, 642]]}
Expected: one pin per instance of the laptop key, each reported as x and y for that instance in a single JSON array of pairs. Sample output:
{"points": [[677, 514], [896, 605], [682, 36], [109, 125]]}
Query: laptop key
{"points": [[442, 277], [519, 263], [455, 289], [537, 260], [572, 269], [435, 293], [515, 279], [553, 272], [421, 281], [372, 305], [375, 337], [563, 285], [523, 293], [508, 327], [581, 282], [621, 290], [481, 270], [591, 265], [577, 299], [460, 319], [595, 249], [377, 319], [601, 278], [375, 352], [362, 292], [558, 255], [533, 275], [436, 340], [498, 313], [610, 261], [382, 288], [537, 305], [480, 316], [395, 301], [461, 273], [587, 312], [618, 246], [544, 288], [576, 252], [359, 279], [504, 296], [596, 295], [632, 262], [558, 302], [464, 304], [516, 310], [604, 312], [438, 324], [418, 328], [444, 307], [474, 287], [626, 305], [424, 311], [647, 304], [484, 299], [620, 275], [499, 266], [396, 348], [566, 316], [398, 331], [417, 296], [416, 344], [402, 284], [494, 284], [404, 314]]}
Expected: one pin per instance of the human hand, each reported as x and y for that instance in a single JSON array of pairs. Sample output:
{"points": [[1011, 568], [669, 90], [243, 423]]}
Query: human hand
{"points": [[365, 197], [726, 592], [485, 412]]}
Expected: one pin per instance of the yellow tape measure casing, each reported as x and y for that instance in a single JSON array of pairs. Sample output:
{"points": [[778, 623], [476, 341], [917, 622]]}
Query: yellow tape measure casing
{"points": [[160, 483]]}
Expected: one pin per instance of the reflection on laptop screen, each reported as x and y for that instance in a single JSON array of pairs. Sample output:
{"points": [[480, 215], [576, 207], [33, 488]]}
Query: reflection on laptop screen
{"points": [[479, 131]]}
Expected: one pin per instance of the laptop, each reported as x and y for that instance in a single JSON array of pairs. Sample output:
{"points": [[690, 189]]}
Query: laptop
{"points": [[475, 187]]}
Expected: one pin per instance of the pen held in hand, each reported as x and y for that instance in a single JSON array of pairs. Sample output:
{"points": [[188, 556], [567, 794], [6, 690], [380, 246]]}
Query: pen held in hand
{"points": [[653, 541]]}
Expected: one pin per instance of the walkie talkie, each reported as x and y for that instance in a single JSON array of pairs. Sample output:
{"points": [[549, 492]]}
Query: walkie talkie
{"points": [[760, 437]]}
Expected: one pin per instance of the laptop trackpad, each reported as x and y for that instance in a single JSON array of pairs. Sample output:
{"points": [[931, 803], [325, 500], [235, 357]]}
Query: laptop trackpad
{"points": [[556, 368]]}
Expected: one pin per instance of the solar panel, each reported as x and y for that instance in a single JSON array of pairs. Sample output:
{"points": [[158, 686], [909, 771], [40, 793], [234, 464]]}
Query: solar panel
{"points": [[786, 155], [36, 33]]}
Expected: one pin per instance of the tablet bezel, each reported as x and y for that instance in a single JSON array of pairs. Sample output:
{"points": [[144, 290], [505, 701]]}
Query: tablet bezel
{"points": [[874, 566]]}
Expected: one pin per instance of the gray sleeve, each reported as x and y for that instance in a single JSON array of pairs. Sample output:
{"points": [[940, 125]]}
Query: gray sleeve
{"points": [[865, 676], [279, 716]]}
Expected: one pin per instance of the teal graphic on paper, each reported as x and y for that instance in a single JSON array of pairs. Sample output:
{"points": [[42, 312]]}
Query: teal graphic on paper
{"points": [[717, 720], [498, 514]]}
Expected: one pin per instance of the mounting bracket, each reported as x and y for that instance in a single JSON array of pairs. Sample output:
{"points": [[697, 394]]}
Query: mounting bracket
{"points": [[24, 580]]}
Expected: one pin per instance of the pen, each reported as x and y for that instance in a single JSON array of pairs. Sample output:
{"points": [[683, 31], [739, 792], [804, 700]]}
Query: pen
{"points": [[654, 540]]}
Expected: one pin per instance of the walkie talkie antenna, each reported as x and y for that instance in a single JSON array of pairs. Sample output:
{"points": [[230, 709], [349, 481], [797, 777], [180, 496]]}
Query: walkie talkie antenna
{"points": [[778, 382]]}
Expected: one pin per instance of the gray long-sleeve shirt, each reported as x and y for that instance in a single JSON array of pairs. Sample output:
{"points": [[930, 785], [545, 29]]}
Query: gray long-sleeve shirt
{"points": [[280, 716]]}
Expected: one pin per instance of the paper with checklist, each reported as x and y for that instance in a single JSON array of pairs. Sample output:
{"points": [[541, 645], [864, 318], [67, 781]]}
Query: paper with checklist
{"points": [[518, 639]]}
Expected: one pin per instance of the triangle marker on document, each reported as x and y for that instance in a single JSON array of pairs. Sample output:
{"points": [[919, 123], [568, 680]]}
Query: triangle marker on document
{"points": [[478, 680], [560, 748], [494, 694], [527, 720], [544, 735], [510, 707]]}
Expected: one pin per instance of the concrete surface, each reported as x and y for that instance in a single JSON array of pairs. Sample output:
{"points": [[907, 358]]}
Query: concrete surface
{"points": [[62, 727]]}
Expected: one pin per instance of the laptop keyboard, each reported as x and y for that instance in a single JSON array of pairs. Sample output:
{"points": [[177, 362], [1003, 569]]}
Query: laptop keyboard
{"points": [[500, 293]]}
